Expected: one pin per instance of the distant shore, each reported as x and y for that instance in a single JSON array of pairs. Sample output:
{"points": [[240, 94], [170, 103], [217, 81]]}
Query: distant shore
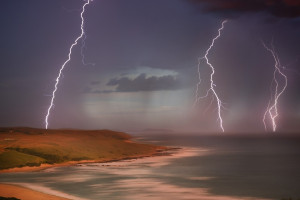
{"points": [[29, 149]]}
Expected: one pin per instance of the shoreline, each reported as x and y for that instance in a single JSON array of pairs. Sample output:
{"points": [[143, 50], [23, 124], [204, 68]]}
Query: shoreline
{"points": [[160, 151], [158, 158], [11, 190]]}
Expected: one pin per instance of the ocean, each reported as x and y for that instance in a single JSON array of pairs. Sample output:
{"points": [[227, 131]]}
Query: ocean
{"points": [[225, 167]]}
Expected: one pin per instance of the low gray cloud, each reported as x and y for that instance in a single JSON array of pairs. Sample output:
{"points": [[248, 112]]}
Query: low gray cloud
{"points": [[143, 83]]}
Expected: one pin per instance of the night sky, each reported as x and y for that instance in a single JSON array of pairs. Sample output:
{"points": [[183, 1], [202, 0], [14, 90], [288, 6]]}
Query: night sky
{"points": [[145, 55]]}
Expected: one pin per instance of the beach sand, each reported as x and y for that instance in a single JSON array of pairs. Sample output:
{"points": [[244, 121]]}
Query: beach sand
{"points": [[25, 194]]}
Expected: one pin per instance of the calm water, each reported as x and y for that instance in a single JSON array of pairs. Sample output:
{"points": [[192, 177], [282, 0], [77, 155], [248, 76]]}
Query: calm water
{"points": [[208, 167]]}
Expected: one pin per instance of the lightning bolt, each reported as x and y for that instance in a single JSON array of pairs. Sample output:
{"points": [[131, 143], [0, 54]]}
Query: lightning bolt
{"points": [[212, 84], [272, 108], [82, 35]]}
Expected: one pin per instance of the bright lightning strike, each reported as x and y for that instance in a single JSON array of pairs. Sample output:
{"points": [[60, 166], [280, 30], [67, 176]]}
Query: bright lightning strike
{"points": [[272, 109], [66, 62], [212, 84]]}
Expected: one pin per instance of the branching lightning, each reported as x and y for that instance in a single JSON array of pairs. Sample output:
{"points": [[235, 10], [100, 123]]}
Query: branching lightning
{"points": [[272, 108], [81, 36], [212, 84]]}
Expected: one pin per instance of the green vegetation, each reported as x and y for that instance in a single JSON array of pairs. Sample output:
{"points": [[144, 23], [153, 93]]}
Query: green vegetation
{"points": [[21, 147], [9, 159], [47, 158]]}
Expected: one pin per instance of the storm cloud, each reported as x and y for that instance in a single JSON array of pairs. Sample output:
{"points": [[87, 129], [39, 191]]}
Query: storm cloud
{"points": [[232, 8], [144, 83]]}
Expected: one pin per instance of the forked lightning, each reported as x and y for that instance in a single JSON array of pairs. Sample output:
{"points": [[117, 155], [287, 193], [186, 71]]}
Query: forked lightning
{"points": [[212, 84], [81, 36], [272, 108]]}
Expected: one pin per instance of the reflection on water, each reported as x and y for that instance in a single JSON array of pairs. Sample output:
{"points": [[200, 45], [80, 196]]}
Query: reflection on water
{"points": [[225, 168]]}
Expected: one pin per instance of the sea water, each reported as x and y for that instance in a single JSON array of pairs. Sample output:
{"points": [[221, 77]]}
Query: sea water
{"points": [[207, 167]]}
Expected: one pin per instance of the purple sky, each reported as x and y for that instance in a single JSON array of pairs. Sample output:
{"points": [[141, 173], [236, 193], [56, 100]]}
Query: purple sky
{"points": [[146, 55]]}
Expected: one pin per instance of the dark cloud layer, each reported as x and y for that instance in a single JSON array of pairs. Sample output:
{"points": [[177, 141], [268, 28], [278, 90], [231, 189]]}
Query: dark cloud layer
{"points": [[144, 83], [230, 8]]}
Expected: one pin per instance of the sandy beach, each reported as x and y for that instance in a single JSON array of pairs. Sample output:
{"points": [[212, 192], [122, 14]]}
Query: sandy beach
{"points": [[25, 194]]}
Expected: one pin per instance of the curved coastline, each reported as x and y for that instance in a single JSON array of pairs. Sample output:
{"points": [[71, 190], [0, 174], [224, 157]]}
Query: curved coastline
{"points": [[72, 147], [29, 149], [25, 191], [158, 152], [19, 192]]}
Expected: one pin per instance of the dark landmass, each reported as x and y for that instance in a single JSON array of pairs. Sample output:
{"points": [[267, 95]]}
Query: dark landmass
{"points": [[8, 198], [30, 148]]}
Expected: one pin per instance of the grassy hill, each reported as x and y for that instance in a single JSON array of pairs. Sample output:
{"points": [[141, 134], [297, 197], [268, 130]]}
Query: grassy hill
{"points": [[21, 147]]}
